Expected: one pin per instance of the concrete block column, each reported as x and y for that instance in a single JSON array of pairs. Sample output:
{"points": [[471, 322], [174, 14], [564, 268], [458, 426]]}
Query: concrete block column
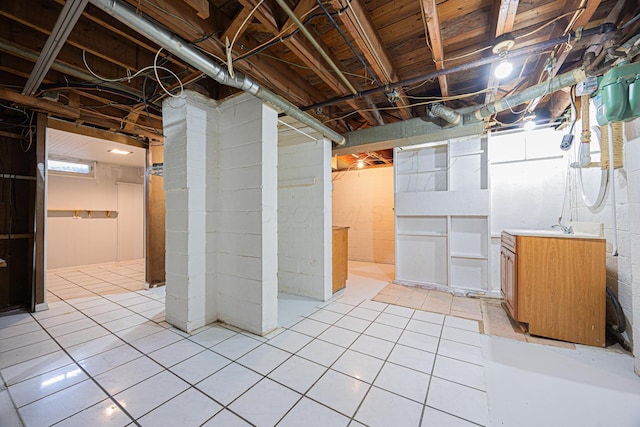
{"points": [[246, 215], [186, 121]]}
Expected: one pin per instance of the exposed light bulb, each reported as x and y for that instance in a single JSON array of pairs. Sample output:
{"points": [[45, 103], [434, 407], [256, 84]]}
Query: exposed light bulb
{"points": [[529, 125], [503, 69], [360, 164]]}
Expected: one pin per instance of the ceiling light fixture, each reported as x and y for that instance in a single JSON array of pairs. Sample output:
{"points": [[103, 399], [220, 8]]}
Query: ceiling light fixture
{"points": [[501, 48], [529, 122], [360, 164], [118, 151]]}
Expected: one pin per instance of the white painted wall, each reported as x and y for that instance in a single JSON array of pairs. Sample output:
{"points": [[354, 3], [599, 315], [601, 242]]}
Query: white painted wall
{"points": [[528, 174], [221, 185], [441, 208], [363, 201], [72, 242], [632, 168], [304, 219]]}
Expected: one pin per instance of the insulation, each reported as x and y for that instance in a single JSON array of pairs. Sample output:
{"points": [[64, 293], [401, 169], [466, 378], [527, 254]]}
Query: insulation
{"points": [[617, 146]]}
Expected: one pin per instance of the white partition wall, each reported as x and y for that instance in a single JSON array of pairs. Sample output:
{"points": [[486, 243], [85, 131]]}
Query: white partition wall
{"points": [[304, 219], [442, 212]]}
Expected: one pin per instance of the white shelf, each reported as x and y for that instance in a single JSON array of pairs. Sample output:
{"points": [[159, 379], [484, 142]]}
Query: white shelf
{"points": [[473, 153], [469, 256], [421, 233], [423, 171]]}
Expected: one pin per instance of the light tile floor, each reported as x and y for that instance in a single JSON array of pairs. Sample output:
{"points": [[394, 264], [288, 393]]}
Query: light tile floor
{"points": [[103, 355]]}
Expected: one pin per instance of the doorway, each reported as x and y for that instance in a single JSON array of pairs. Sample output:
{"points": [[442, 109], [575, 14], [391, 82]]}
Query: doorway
{"points": [[363, 201], [95, 201]]}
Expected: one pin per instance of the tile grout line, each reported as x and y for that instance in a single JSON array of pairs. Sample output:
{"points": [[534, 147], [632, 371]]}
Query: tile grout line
{"points": [[426, 396], [113, 399]]}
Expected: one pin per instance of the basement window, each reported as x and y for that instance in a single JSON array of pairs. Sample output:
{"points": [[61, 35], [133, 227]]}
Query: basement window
{"points": [[72, 167]]}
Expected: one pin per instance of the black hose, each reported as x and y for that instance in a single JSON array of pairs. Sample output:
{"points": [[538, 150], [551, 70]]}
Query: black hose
{"points": [[620, 324]]}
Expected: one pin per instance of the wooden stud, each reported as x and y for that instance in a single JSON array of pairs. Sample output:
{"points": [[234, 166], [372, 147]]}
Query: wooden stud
{"points": [[40, 210], [155, 221]]}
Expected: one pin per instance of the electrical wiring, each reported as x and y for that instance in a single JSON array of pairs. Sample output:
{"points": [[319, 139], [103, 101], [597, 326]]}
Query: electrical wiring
{"points": [[465, 55], [279, 38], [229, 46], [28, 135], [418, 104], [346, 39], [153, 67], [453, 97], [522, 36], [420, 85], [575, 108], [426, 31], [372, 48], [304, 67], [155, 71]]}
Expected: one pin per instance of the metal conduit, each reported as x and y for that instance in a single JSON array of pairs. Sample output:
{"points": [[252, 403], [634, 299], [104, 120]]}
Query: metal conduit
{"points": [[315, 44], [563, 80], [184, 51]]}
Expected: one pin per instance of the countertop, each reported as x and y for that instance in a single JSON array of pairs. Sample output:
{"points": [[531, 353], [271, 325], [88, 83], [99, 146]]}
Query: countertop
{"points": [[552, 233]]}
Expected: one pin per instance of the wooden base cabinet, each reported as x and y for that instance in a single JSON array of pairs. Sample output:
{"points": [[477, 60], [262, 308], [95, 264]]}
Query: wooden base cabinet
{"points": [[340, 257], [556, 286]]}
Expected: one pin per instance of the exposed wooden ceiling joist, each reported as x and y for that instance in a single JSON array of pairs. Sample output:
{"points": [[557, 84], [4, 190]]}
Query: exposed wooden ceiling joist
{"points": [[503, 16], [430, 15], [367, 40], [308, 55], [377, 42]]}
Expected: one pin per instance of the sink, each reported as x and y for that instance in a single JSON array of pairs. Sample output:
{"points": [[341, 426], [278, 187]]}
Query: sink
{"points": [[552, 233]]}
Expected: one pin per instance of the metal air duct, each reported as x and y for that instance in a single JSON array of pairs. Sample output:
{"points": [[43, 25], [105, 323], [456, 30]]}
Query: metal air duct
{"points": [[184, 51]]}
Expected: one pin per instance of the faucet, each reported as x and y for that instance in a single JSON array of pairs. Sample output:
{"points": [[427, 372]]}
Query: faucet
{"points": [[565, 229]]}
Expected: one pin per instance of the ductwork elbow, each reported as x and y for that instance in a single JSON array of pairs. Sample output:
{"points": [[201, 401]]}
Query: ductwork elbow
{"points": [[445, 113]]}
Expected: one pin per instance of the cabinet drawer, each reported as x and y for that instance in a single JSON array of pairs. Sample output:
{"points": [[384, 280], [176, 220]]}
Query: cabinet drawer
{"points": [[509, 241]]}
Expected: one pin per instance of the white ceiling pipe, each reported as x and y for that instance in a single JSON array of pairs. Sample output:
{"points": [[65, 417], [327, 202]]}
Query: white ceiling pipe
{"points": [[187, 53]]}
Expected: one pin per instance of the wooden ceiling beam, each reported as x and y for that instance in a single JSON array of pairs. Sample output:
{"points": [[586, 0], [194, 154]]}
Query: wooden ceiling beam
{"points": [[201, 7], [578, 19], [78, 128], [503, 16], [361, 29], [309, 56], [377, 156], [430, 14], [85, 35], [38, 104], [301, 10], [235, 25], [120, 30]]}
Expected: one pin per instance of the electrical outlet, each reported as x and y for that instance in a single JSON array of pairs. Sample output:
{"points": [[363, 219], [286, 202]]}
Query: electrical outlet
{"points": [[567, 140]]}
